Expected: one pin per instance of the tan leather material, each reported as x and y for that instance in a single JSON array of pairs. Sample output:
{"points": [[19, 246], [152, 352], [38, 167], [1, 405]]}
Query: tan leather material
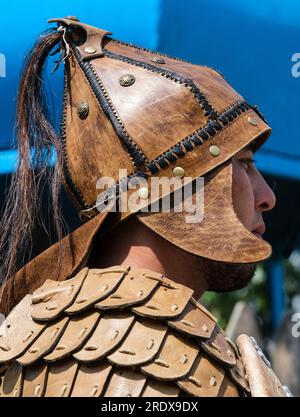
{"points": [[174, 360], [207, 79], [160, 389], [99, 285], [35, 380], [44, 343], [54, 297], [262, 380], [194, 321], [238, 374], [125, 383], [141, 344], [89, 350], [122, 132], [228, 389], [18, 331], [105, 139], [219, 348], [223, 237], [166, 302], [12, 384], [110, 331], [76, 247], [165, 106], [94, 36], [176, 99], [77, 331], [244, 248], [91, 379], [205, 378], [61, 378], [134, 289]]}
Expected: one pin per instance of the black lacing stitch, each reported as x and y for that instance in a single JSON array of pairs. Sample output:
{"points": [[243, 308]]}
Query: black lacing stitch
{"points": [[114, 191], [198, 138], [259, 113], [137, 156], [179, 150], [140, 48], [207, 108], [70, 184]]}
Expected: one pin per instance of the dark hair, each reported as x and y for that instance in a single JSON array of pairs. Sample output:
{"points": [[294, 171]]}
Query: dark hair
{"points": [[37, 139]]}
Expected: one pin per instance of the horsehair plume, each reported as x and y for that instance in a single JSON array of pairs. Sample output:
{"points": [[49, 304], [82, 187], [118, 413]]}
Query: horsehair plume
{"points": [[36, 140]]}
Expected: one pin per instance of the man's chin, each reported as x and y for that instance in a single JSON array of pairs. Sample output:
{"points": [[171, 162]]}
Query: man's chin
{"points": [[222, 277]]}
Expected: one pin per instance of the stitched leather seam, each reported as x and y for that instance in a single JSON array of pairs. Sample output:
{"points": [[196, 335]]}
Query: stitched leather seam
{"points": [[229, 116], [140, 48], [157, 53], [199, 137], [68, 180], [207, 108], [104, 101]]}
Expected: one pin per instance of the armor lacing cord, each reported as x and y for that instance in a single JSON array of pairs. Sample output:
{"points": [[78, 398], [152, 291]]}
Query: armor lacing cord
{"points": [[63, 30]]}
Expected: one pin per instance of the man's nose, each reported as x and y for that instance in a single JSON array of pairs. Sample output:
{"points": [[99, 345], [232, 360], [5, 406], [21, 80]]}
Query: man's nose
{"points": [[265, 198]]}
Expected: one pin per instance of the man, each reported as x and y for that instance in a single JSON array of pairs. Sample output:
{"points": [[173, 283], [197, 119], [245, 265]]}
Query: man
{"points": [[134, 244], [111, 309]]}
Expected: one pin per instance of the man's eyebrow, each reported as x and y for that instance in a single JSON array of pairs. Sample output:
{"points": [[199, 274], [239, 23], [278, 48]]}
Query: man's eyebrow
{"points": [[250, 147]]}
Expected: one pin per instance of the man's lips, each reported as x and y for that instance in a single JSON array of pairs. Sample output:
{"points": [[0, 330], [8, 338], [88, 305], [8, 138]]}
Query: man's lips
{"points": [[259, 231]]}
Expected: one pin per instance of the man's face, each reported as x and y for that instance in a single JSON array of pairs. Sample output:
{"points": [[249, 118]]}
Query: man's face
{"points": [[251, 194], [251, 198]]}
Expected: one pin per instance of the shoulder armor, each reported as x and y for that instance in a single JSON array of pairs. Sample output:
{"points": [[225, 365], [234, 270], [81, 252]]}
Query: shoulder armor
{"points": [[116, 332]]}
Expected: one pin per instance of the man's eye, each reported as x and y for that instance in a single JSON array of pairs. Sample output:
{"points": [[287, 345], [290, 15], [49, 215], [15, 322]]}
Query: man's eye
{"points": [[247, 162]]}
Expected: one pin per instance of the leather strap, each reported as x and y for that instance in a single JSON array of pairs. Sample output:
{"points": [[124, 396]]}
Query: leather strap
{"points": [[92, 47], [76, 247]]}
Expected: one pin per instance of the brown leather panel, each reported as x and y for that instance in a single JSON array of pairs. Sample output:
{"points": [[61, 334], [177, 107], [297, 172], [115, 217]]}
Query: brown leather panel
{"points": [[238, 374], [155, 388], [77, 332], [53, 297], [204, 379], [166, 302], [212, 84], [218, 347], [196, 163], [44, 343], [223, 237], [91, 379], [228, 389], [18, 331], [35, 380], [135, 346], [141, 344], [134, 289], [99, 285], [109, 332], [194, 321], [125, 383], [94, 36], [152, 104], [76, 247], [95, 136], [61, 378], [262, 380], [12, 384], [175, 359]]}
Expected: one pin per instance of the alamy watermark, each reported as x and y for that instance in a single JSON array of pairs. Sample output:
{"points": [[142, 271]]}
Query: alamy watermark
{"points": [[296, 326], [144, 194], [296, 67], [2, 66]]}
